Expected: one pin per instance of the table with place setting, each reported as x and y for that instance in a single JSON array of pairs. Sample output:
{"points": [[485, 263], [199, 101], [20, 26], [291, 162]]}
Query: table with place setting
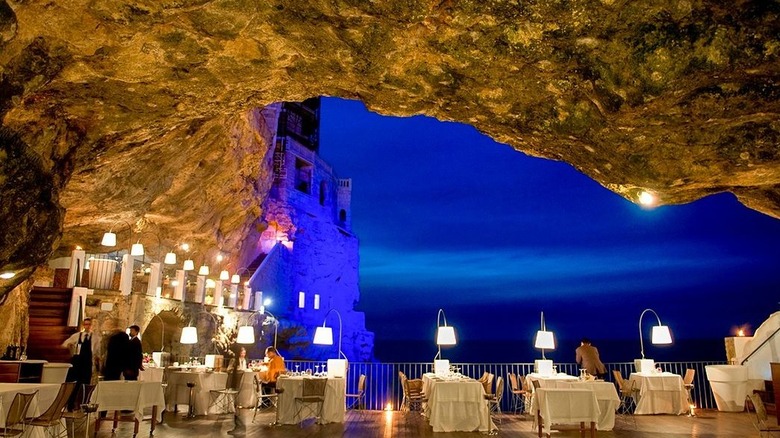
{"points": [[456, 403], [660, 393], [546, 380], [129, 395], [607, 397], [291, 386]]}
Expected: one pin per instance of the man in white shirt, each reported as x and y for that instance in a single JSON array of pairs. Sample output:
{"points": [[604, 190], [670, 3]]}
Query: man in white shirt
{"points": [[83, 347]]}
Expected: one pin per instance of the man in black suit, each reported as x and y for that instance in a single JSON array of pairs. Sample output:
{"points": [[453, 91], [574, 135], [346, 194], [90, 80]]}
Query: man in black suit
{"points": [[135, 355], [116, 350]]}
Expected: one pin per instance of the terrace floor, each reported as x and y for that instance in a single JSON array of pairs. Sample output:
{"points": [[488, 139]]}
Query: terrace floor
{"points": [[371, 424]]}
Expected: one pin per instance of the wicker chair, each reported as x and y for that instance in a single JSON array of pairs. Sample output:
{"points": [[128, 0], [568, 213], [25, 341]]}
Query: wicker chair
{"points": [[688, 382], [760, 418], [262, 398], [628, 395], [494, 400], [17, 413], [413, 395], [518, 394], [312, 394], [51, 420]]}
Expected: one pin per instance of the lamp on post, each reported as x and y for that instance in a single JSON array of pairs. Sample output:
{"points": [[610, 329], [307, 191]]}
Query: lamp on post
{"points": [[445, 335], [246, 333], [661, 335], [189, 334], [545, 340], [158, 356], [324, 336]]}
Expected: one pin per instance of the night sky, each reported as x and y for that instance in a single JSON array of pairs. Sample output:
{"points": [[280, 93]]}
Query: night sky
{"points": [[449, 218]]}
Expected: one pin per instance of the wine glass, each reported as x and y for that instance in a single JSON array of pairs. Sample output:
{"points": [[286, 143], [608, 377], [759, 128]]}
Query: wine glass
{"points": [[323, 371], [317, 370], [297, 369]]}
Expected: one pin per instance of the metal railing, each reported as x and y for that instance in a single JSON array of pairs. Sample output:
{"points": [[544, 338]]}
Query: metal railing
{"points": [[383, 386]]}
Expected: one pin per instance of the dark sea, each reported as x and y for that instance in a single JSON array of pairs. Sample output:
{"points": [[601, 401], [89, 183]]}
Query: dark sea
{"points": [[611, 351]]}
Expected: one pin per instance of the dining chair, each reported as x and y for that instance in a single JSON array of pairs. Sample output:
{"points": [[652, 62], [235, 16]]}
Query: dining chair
{"points": [[628, 396], [360, 396], [312, 394], [518, 394], [51, 420], [225, 399], [688, 382], [15, 424], [528, 396], [262, 398], [413, 394], [77, 415], [488, 383], [494, 400], [760, 418]]}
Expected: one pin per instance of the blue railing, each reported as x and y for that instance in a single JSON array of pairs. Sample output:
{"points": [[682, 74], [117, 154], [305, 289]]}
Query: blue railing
{"points": [[383, 386]]}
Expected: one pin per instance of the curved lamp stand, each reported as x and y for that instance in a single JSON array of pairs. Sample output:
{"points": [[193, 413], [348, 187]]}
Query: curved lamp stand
{"points": [[445, 334], [246, 333], [162, 330], [324, 335], [544, 339], [661, 334]]}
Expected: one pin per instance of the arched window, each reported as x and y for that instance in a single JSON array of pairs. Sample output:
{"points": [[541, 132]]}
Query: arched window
{"points": [[323, 194], [342, 215]]}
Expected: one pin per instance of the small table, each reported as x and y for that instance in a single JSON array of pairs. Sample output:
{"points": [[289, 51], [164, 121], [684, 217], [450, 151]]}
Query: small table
{"points": [[566, 406], [456, 404], [333, 409], [125, 395], [606, 395], [151, 374], [660, 393]]}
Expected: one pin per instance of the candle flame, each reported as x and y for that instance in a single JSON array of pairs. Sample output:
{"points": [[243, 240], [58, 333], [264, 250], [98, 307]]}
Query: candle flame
{"points": [[389, 407]]}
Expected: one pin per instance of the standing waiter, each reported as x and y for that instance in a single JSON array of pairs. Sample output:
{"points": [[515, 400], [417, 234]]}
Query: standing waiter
{"points": [[83, 347]]}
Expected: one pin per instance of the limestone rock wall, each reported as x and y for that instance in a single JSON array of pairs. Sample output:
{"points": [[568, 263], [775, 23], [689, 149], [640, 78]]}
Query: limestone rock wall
{"points": [[132, 110]]}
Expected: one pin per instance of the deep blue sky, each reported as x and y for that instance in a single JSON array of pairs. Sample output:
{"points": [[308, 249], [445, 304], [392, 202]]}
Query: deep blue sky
{"points": [[449, 218]]}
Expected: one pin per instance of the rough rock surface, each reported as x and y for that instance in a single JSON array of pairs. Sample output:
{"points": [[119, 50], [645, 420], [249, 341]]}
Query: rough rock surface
{"points": [[139, 110]]}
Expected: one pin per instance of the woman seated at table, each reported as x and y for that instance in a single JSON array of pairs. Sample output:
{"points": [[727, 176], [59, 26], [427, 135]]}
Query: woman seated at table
{"points": [[238, 363], [275, 368]]}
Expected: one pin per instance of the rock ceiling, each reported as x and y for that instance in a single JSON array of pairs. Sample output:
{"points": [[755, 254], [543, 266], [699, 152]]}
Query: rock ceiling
{"points": [[142, 112]]}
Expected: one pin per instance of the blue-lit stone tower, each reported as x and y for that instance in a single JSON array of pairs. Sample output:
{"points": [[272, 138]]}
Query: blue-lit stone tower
{"points": [[308, 256]]}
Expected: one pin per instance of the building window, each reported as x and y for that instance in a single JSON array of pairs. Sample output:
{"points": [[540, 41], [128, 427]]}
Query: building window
{"points": [[303, 172], [342, 215], [301, 300], [323, 192], [316, 301]]}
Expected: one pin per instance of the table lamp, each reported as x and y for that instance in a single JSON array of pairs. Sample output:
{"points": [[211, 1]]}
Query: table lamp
{"points": [[661, 335]]}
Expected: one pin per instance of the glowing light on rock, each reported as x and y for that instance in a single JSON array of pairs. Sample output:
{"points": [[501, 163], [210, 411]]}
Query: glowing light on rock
{"points": [[647, 199]]}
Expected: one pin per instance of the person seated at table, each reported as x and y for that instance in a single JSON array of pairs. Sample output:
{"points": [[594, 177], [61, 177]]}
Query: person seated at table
{"points": [[238, 363], [275, 364], [588, 358]]}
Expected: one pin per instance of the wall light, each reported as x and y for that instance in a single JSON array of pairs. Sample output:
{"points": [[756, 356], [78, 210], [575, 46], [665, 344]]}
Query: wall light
{"points": [[246, 333], [203, 270], [137, 249], [224, 275], [7, 275]]}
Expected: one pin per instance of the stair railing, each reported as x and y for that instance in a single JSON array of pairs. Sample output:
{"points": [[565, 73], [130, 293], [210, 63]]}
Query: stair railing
{"points": [[759, 347]]}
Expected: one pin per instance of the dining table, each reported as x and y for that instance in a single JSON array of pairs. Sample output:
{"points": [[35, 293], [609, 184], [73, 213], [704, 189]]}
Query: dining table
{"points": [[545, 379], [333, 408], [47, 392], [178, 393], [566, 406], [456, 404], [151, 374], [128, 395], [606, 396], [660, 393]]}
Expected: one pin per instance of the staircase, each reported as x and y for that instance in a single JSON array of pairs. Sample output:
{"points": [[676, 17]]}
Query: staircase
{"points": [[255, 264], [49, 324]]}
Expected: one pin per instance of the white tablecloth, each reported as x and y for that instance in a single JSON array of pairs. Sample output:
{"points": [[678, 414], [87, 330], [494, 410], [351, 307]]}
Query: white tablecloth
{"points": [[118, 395], [47, 392], [566, 406], [333, 410], [547, 381], [456, 405], [606, 395], [178, 392], [660, 393], [151, 374]]}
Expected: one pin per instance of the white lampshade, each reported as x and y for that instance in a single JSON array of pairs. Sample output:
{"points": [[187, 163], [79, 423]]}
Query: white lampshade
{"points": [[661, 335], [545, 340], [203, 270], [224, 275], [323, 336], [189, 335], [137, 249], [109, 239], [246, 335], [189, 265], [235, 279], [170, 258], [446, 335]]}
